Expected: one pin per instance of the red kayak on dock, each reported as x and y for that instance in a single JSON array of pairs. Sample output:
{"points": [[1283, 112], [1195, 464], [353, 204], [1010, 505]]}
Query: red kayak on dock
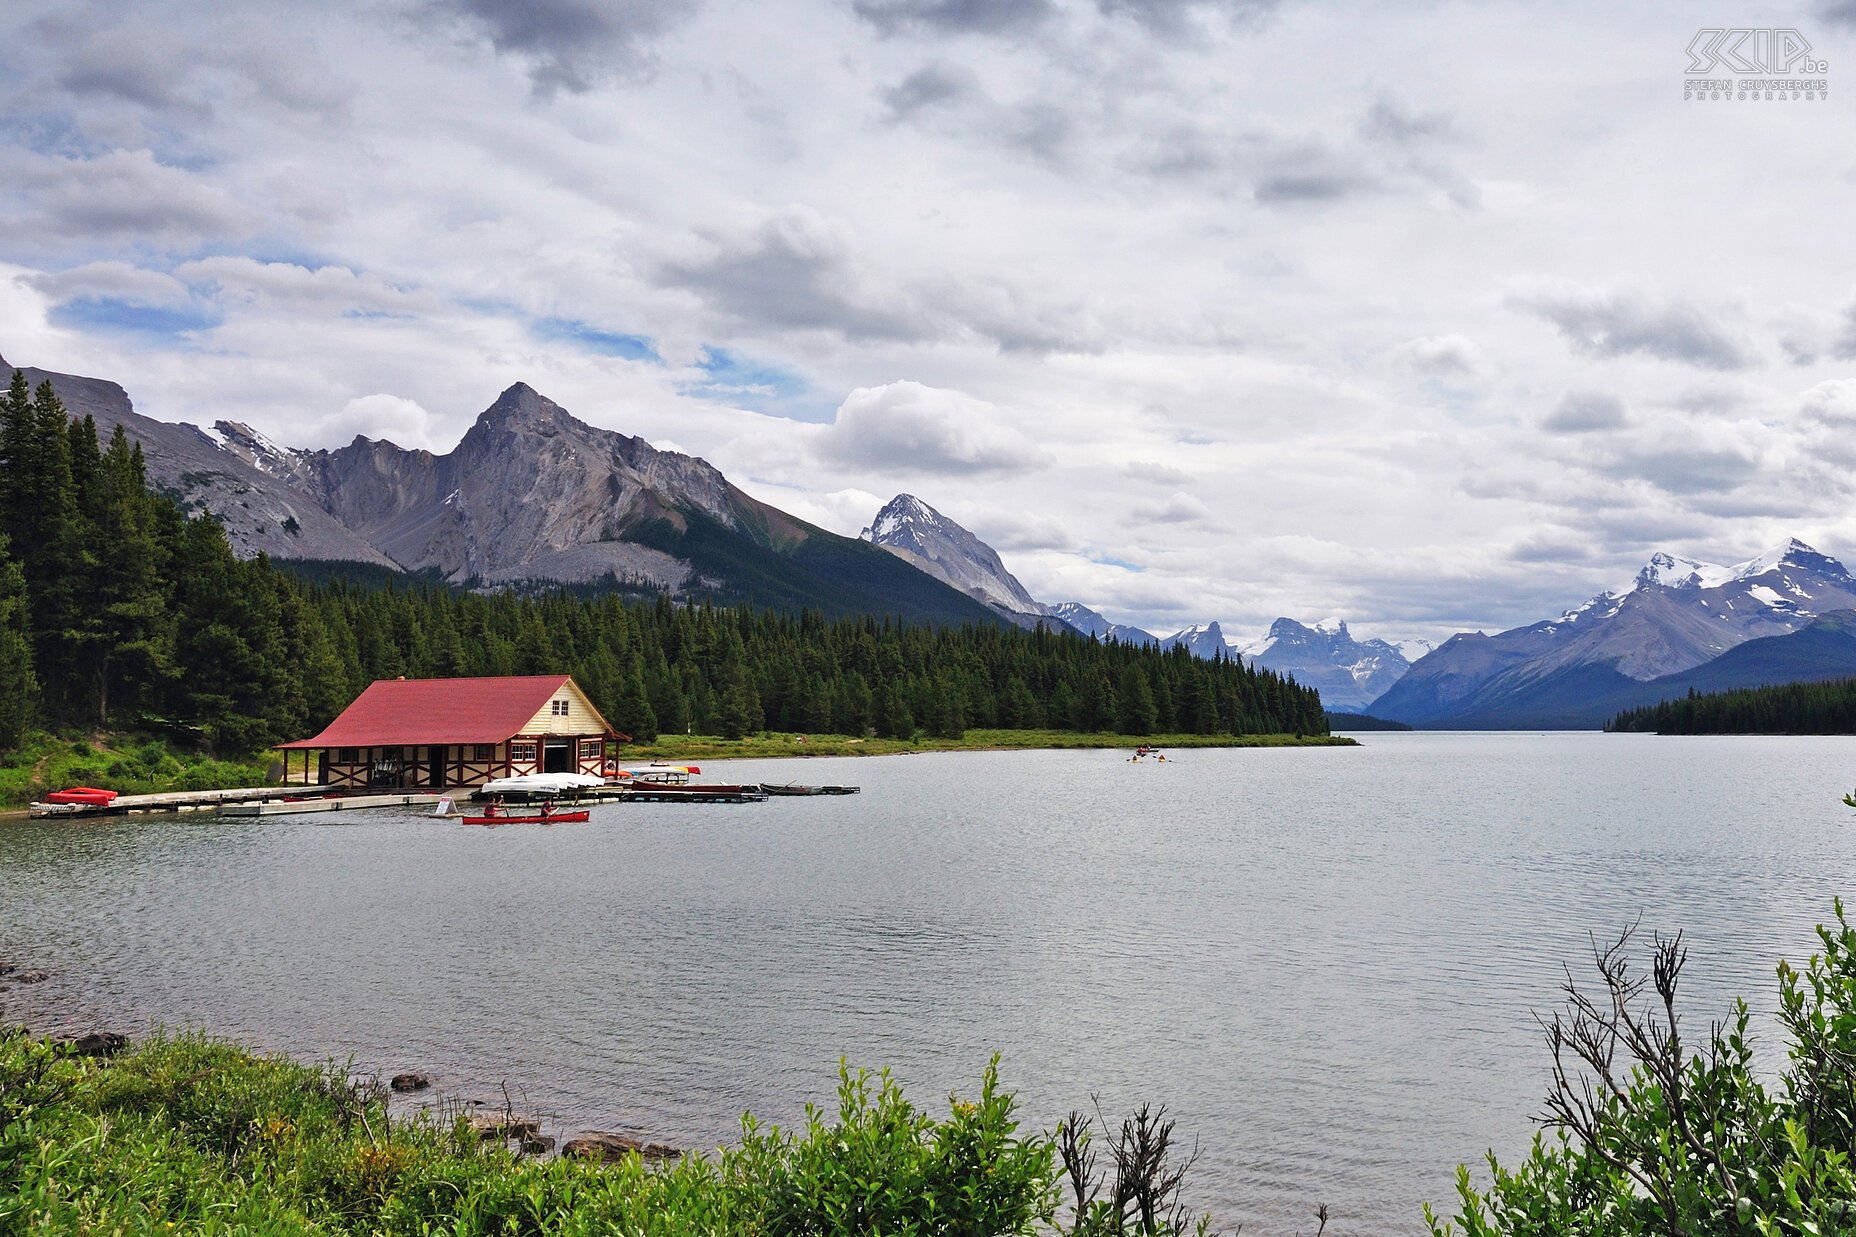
{"points": [[89, 796]]}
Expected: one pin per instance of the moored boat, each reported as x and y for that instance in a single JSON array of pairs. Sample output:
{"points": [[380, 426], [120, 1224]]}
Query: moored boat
{"points": [[790, 788], [657, 773]]}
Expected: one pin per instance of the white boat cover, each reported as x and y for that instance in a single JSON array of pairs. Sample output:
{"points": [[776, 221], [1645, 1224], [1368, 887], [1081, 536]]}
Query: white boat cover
{"points": [[542, 783]]}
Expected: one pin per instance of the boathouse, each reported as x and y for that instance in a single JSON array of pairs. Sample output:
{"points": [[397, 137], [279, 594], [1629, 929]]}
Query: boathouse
{"points": [[440, 733]]}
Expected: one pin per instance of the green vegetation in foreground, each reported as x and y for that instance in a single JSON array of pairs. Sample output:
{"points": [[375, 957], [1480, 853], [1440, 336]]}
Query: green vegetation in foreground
{"points": [[767, 744], [1650, 1135], [190, 1135], [128, 764], [1790, 708]]}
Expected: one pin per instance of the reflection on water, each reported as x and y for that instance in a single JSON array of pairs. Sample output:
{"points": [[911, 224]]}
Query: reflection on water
{"points": [[1324, 961]]}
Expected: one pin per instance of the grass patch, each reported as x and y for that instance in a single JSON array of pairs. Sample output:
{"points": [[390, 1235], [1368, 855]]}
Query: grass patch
{"points": [[192, 1135], [769, 744], [128, 764]]}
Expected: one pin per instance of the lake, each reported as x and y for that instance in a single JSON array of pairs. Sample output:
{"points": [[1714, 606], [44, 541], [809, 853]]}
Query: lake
{"points": [[1323, 961]]}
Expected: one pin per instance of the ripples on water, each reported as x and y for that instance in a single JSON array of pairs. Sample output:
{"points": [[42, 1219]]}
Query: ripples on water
{"points": [[1324, 961]]}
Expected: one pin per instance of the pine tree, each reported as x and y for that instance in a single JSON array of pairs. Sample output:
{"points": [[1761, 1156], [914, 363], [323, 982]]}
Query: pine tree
{"points": [[19, 686], [1138, 714], [124, 627]]}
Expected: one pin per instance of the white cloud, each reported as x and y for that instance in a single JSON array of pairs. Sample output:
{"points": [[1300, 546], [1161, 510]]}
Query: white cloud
{"points": [[392, 417], [905, 427], [1187, 338]]}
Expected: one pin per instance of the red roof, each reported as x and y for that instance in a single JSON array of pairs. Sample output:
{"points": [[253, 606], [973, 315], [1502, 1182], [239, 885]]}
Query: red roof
{"points": [[429, 712]]}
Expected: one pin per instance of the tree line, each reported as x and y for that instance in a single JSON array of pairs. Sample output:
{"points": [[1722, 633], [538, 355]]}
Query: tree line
{"points": [[119, 609], [1790, 708]]}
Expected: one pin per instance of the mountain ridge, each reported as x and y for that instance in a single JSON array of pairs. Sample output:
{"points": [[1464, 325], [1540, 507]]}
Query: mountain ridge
{"points": [[531, 495], [1676, 614]]}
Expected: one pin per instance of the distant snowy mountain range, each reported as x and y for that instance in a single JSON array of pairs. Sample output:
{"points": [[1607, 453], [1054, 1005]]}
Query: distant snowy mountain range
{"points": [[1680, 624], [1348, 673]]}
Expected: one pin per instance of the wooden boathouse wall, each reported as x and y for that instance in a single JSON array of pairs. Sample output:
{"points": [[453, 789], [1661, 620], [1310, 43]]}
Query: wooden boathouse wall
{"points": [[539, 724]]}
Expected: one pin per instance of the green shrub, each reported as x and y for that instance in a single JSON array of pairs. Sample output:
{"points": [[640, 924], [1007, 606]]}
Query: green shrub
{"points": [[1651, 1137], [190, 1135], [885, 1167]]}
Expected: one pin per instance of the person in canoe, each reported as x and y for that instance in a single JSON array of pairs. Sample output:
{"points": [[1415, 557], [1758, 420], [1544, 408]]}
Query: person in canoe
{"points": [[494, 807], [547, 808]]}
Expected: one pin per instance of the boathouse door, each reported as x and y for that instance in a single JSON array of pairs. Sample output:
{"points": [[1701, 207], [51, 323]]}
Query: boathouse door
{"points": [[435, 766], [557, 756]]}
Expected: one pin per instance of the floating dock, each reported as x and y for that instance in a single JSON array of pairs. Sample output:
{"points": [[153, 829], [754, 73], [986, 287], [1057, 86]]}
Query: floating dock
{"points": [[344, 803], [640, 795]]}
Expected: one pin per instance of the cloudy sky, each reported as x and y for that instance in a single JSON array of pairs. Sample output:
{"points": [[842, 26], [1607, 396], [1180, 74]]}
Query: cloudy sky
{"points": [[1430, 316]]}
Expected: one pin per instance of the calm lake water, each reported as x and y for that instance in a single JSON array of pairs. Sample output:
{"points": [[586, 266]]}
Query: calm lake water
{"points": [[1323, 961]]}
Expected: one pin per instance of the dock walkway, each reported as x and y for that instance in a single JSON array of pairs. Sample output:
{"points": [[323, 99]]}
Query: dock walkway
{"points": [[345, 803], [179, 801]]}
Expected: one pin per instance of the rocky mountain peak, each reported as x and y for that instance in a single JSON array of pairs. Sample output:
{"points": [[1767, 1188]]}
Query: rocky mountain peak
{"points": [[912, 530], [1087, 621], [522, 408], [906, 519]]}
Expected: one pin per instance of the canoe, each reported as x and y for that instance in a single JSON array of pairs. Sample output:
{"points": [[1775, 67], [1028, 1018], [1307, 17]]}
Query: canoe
{"points": [[532, 819]]}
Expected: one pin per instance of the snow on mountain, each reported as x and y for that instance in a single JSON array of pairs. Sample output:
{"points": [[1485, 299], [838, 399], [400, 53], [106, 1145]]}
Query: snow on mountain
{"points": [[1090, 623], [1677, 614], [1201, 640], [1348, 673], [258, 451], [915, 532]]}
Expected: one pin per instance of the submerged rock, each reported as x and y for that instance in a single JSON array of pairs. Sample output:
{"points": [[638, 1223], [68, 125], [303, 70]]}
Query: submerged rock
{"points": [[411, 1080], [31, 977], [608, 1147], [95, 1043], [502, 1125]]}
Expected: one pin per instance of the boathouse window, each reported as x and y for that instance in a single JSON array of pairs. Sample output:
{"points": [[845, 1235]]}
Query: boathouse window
{"points": [[592, 749], [347, 755], [560, 708], [483, 751], [522, 751]]}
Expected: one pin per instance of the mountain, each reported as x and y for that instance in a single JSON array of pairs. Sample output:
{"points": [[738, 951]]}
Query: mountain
{"points": [[530, 495], [260, 512], [921, 536], [1087, 621], [1201, 640], [1678, 614], [1348, 673]]}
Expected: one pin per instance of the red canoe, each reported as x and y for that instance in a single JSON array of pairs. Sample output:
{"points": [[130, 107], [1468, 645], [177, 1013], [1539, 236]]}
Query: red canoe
{"points": [[90, 796], [537, 819]]}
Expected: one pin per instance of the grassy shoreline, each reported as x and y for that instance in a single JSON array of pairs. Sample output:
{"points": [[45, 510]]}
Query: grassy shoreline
{"points": [[772, 745], [199, 1135]]}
